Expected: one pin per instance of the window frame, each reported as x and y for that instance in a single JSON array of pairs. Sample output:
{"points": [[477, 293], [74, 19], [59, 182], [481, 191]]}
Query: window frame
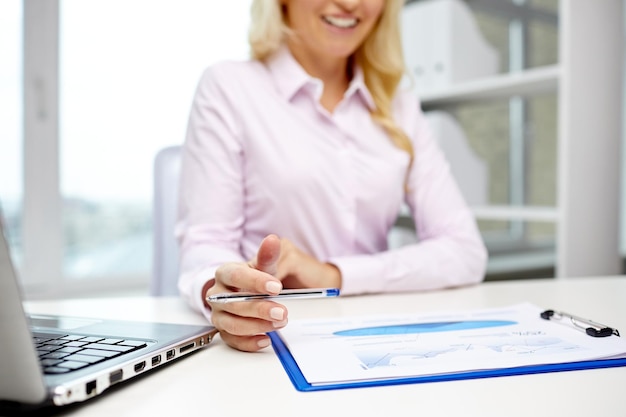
{"points": [[42, 213]]}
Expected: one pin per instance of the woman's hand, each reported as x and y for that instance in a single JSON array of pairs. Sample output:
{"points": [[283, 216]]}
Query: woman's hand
{"points": [[242, 325], [297, 269], [279, 263]]}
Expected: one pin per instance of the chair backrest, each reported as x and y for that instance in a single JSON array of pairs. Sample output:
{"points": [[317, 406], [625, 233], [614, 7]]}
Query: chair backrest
{"points": [[164, 211]]}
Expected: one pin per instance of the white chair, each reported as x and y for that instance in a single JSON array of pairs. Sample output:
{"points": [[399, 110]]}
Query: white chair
{"points": [[165, 205]]}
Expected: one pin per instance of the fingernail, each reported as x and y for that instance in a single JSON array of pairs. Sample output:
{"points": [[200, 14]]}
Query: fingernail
{"points": [[278, 324], [273, 287], [263, 343], [277, 313]]}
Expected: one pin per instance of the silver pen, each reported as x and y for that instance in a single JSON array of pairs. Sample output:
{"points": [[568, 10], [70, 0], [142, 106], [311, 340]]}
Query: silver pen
{"points": [[231, 297]]}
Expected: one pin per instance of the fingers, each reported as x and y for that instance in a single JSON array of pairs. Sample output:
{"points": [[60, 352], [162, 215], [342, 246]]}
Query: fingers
{"points": [[260, 316], [241, 277], [268, 255], [243, 325], [298, 269], [246, 343], [259, 275]]}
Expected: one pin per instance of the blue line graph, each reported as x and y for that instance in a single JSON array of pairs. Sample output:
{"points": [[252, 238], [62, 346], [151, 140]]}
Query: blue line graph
{"points": [[415, 328]]}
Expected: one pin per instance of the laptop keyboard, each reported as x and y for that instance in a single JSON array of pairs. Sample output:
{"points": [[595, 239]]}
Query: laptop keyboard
{"points": [[59, 354]]}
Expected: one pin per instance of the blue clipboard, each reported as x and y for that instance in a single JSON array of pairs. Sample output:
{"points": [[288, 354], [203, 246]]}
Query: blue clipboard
{"points": [[301, 384]]}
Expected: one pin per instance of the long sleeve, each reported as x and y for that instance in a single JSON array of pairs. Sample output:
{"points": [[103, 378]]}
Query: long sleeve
{"points": [[450, 251], [210, 198]]}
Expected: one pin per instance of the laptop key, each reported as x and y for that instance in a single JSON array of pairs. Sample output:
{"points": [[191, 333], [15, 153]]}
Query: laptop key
{"points": [[134, 343], [41, 339], [54, 355], [76, 343], [96, 352], [73, 337], [56, 370], [56, 342], [48, 348], [68, 349], [116, 348], [85, 358], [91, 339], [49, 336], [50, 362], [111, 341], [72, 364]]}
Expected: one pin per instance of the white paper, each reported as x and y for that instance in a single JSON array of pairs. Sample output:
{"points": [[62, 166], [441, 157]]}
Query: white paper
{"points": [[402, 346]]}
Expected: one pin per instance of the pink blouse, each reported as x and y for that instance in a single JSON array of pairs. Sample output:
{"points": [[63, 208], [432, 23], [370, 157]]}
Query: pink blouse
{"points": [[263, 156]]}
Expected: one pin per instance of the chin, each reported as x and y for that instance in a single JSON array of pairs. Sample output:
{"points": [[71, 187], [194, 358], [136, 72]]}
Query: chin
{"points": [[340, 51]]}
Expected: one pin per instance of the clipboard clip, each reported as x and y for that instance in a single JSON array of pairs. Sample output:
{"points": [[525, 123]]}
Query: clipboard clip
{"points": [[588, 326]]}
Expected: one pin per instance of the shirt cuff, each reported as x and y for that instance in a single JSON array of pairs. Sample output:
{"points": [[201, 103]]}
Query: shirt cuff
{"points": [[190, 286], [360, 274]]}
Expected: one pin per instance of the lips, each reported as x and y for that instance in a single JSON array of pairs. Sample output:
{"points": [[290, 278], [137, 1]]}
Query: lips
{"points": [[341, 22]]}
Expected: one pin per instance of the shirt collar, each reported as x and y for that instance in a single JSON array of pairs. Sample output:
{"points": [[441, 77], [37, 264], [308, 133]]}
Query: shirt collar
{"points": [[357, 86], [290, 78]]}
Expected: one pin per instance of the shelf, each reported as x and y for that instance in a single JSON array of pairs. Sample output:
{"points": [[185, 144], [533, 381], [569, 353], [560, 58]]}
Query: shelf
{"points": [[530, 213], [585, 83], [529, 82], [522, 261]]}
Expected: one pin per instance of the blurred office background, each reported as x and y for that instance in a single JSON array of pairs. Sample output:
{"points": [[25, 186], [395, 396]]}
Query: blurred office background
{"points": [[114, 83]]}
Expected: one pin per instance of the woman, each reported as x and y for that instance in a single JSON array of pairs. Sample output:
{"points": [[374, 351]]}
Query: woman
{"points": [[296, 164]]}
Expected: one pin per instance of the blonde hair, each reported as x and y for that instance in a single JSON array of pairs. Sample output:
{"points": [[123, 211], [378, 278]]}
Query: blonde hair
{"points": [[380, 57], [267, 30]]}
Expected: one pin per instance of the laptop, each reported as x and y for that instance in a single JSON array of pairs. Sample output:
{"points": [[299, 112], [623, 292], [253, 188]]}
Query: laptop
{"points": [[50, 360]]}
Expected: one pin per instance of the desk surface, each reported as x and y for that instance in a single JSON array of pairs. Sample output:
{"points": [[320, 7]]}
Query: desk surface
{"points": [[219, 381]]}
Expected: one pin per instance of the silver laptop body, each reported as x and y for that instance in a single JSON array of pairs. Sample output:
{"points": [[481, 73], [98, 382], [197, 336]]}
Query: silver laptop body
{"points": [[23, 382]]}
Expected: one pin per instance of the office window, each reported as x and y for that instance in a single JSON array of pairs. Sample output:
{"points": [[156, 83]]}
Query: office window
{"points": [[11, 183], [128, 71]]}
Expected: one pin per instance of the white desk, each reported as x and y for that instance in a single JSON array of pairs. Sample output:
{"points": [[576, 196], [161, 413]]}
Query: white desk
{"points": [[219, 381]]}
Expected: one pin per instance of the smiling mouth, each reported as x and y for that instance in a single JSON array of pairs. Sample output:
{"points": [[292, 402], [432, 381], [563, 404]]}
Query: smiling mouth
{"points": [[341, 22]]}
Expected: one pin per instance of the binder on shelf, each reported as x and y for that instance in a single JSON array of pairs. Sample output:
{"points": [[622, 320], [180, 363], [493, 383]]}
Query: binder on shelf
{"points": [[470, 171], [359, 352], [443, 45]]}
